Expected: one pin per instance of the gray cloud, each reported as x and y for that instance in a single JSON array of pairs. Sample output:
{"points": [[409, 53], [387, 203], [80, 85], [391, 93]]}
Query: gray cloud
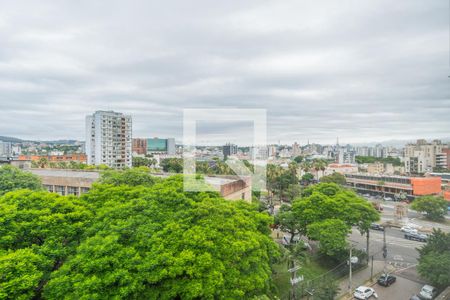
{"points": [[360, 71]]}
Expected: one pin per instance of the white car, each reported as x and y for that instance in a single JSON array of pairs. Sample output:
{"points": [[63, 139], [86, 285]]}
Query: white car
{"points": [[428, 292], [409, 229], [364, 292]]}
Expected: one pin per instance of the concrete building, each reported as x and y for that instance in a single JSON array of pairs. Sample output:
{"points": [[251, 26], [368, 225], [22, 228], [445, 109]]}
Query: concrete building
{"points": [[161, 146], [77, 157], [139, 146], [108, 139], [71, 182], [422, 156], [394, 185], [446, 151], [5, 149], [229, 149], [346, 157], [259, 152]]}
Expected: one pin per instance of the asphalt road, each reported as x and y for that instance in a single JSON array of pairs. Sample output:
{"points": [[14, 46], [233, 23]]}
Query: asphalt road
{"points": [[400, 251]]}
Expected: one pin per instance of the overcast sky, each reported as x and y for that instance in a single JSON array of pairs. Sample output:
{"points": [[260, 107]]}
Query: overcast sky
{"points": [[361, 70]]}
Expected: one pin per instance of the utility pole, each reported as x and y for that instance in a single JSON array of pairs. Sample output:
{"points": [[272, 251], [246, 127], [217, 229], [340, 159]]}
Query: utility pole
{"points": [[350, 271], [367, 245], [384, 250]]}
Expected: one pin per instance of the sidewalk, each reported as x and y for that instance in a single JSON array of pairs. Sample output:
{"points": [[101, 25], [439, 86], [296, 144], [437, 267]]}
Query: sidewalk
{"points": [[362, 277]]}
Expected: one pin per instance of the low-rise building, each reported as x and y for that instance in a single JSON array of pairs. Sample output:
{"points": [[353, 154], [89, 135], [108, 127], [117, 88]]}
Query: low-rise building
{"points": [[77, 157], [395, 185], [78, 182]]}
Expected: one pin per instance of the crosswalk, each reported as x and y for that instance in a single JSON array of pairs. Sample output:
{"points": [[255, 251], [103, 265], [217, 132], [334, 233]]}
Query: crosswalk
{"points": [[401, 242]]}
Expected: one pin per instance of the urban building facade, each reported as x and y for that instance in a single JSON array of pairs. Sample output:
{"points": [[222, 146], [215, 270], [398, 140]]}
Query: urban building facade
{"points": [[395, 185], [161, 146], [229, 149], [5, 149], [108, 139], [423, 157], [139, 146], [76, 157]]}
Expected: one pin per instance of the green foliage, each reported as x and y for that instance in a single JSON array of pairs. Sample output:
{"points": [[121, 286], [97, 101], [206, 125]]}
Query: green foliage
{"points": [[434, 207], [288, 221], [172, 165], [434, 261], [21, 272], [336, 177], [308, 177], [143, 162], [331, 234], [132, 177], [280, 180], [162, 243], [328, 201], [38, 230], [12, 178], [387, 160], [299, 159]]}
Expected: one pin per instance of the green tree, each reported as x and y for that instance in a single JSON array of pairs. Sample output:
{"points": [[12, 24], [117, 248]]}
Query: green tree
{"points": [[12, 178], [308, 177], [143, 162], [50, 226], [329, 201], [331, 234], [172, 165], [434, 261], [299, 159], [160, 242], [336, 177], [132, 177], [288, 222], [434, 207], [21, 273]]}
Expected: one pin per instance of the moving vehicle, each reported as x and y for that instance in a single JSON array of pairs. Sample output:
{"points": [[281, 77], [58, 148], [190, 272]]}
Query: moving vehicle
{"points": [[416, 236], [408, 229], [386, 280], [428, 292], [376, 226], [364, 292]]}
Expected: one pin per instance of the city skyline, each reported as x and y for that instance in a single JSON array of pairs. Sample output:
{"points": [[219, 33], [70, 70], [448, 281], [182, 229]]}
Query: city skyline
{"points": [[321, 70]]}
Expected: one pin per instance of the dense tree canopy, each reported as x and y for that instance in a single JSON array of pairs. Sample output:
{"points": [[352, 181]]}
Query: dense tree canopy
{"points": [[434, 261], [12, 178], [327, 204], [336, 177], [434, 207], [132, 177], [134, 238]]}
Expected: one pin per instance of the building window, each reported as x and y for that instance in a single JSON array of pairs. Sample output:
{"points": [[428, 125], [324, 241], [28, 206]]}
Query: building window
{"points": [[49, 188], [84, 190], [72, 190], [59, 189]]}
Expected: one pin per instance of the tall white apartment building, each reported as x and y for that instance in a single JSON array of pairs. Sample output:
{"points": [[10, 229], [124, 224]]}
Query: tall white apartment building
{"points": [[5, 149], [422, 156], [108, 139]]}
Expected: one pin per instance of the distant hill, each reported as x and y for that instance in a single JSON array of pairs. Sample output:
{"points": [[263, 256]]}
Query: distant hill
{"points": [[10, 139], [17, 140]]}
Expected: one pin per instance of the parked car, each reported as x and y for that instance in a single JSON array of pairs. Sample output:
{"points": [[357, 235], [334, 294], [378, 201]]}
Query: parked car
{"points": [[386, 280], [408, 229], [415, 297], [416, 236], [364, 292], [376, 226], [428, 292]]}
